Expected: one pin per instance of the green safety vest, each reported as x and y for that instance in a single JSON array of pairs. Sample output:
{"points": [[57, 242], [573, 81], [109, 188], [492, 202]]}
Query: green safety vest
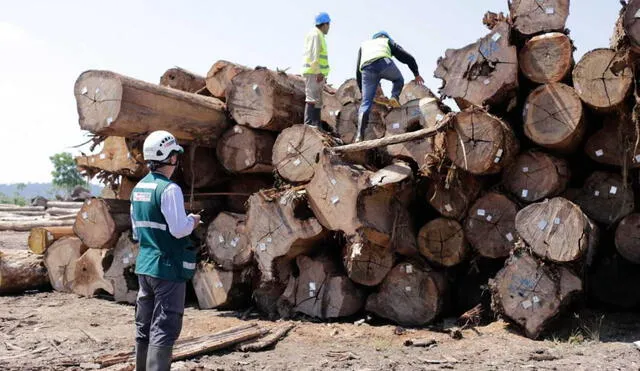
{"points": [[323, 62], [160, 254], [372, 50]]}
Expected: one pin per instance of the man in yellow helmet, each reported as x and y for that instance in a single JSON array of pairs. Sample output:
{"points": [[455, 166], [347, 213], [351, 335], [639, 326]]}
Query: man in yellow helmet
{"points": [[374, 64], [315, 68]]}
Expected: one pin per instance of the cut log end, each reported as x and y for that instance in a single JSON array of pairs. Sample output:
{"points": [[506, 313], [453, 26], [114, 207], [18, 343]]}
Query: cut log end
{"points": [[546, 58], [442, 242], [21, 271], [296, 152], [603, 79], [490, 226]]}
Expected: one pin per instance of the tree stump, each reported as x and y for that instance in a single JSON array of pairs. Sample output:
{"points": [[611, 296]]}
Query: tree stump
{"points": [[546, 58], [535, 175], [603, 79], [320, 291], [279, 230], [557, 230], [442, 242], [554, 118], [348, 121], [627, 236], [112, 104], [451, 193], [181, 79], [531, 294], [366, 263], [409, 295], [412, 91], [227, 241], [100, 222], [216, 288], [529, 17], [41, 238], [267, 100], [60, 259], [243, 187], [89, 278], [480, 143], [21, 271], [114, 158], [482, 73], [490, 226], [201, 168], [615, 143], [296, 152], [245, 150], [121, 272], [220, 75], [605, 197], [349, 92]]}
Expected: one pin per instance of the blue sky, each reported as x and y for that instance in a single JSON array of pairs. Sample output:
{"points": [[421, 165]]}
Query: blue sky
{"points": [[45, 45]]}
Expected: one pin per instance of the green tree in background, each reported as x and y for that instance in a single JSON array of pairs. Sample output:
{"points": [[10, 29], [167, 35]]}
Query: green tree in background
{"points": [[65, 174]]}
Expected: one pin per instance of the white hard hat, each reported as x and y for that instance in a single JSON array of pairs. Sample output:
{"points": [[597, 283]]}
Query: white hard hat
{"points": [[159, 145]]}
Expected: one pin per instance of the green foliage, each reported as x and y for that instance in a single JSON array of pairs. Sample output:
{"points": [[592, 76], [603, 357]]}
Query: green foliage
{"points": [[65, 174], [16, 199]]}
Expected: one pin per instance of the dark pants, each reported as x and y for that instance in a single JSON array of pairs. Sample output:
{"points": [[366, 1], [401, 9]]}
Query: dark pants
{"points": [[159, 311], [372, 74]]}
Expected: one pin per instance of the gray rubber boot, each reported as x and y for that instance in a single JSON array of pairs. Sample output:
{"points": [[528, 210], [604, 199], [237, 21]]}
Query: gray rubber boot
{"points": [[362, 126], [159, 358], [141, 356]]}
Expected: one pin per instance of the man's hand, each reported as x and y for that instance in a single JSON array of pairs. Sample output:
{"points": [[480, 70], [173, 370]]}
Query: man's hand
{"points": [[419, 80], [319, 77], [196, 220]]}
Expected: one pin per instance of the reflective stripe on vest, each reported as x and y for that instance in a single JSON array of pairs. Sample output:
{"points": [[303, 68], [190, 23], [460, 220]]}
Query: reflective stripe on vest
{"points": [[153, 225], [372, 50], [323, 56]]}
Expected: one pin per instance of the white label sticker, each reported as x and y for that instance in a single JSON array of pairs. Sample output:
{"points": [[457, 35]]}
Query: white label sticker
{"points": [[85, 215], [220, 239], [312, 293], [219, 284], [333, 181], [599, 153], [407, 289], [525, 169], [535, 299], [290, 149], [486, 82], [439, 117], [496, 36], [84, 91], [556, 221], [125, 261], [596, 193], [542, 225], [237, 129], [525, 193], [109, 120], [97, 91], [613, 190], [269, 240], [255, 87], [409, 268], [489, 217], [312, 286], [448, 208], [549, 10], [297, 162], [49, 235], [335, 199], [527, 304], [234, 242], [637, 15], [103, 156], [509, 237], [396, 125], [262, 246], [500, 152], [247, 162], [481, 212], [637, 158]]}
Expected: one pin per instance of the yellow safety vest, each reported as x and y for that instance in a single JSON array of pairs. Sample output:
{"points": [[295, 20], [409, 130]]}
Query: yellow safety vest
{"points": [[322, 65], [372, 50]]}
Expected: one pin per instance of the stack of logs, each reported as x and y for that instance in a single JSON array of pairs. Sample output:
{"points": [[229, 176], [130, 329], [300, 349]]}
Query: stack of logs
{"points": [[529, 189]]}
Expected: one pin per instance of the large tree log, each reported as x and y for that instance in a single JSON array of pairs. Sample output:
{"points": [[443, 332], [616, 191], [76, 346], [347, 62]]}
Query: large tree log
{"points": [[630, 24], [200, 167], [220, 75], [181, 79], [480, 143], [60, 259], [266, 298], [452, 192], [321, 291], [532, 294], [113, 158], [557, 230], [554, 118], [65, 204], [442, 242], [349, 92], [546, 58], [490, 226], [245, 150], [244, 186], [296, 152], [348, 121], [216, 288], [482, 73], [530, 17], [627, 236], [42, 237], [21, 271], [27, 225], [100, 222], [535, 175], [605, 197], [268, 100], [412, 91], [279, 230], [366, 263], [615, 143], [89, 278], [331, 108], [112, 104], [603, 79], [57, 211], [12, 208], [228, 242], [121, 272], [409, 295]]}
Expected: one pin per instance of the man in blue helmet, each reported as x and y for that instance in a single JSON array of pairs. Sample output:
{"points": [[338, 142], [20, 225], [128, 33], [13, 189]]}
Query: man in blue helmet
{"points": [[374, 64], [315, 68]]}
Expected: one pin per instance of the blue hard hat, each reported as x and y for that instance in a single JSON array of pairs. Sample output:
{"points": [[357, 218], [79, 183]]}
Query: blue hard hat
{"points": [[381, 33], [322, 18]]}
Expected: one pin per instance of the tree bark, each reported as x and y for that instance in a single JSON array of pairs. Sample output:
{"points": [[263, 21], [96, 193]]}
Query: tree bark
{"points": [[490, 226], [554, 117], [348, 121], [349, 92], [216, 288], [442, 242], [535, 175], [630, 24], [60, 259], [220, 75], [546, 58], [627, 236], [412, 91], [366, 263], [181, 79], [228, 242], [531, 294], [245, 150], [113, 158], [201, 168], [605, 197], [89, 278], [603, 79], [409, 295], [112, 104], [40, 238], [482, 73], [245, 186], [480, 143], [557, 230], [100, 222], [296, 152], [268, 100], [529, 17], [452, 192], [125, 188], [121, 271], [21, 271]]}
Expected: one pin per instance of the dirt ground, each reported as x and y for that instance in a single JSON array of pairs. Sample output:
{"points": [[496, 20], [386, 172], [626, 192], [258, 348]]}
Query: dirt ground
{"points": [[52, 331]]}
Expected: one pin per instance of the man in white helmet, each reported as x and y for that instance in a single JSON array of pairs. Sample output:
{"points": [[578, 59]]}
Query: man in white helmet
{"points": [[165, 259]]}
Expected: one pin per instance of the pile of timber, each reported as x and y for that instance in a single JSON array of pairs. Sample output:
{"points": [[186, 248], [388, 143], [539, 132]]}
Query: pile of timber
{"points": [[530, 188], [51, 214]]}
